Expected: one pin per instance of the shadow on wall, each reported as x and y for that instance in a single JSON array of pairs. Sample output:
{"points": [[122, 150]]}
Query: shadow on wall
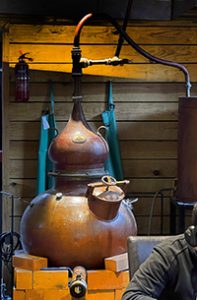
{"points": [[75, 9]]}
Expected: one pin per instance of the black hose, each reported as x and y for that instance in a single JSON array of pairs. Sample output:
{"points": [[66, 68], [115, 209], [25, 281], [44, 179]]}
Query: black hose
{"points": [[124, 26]]}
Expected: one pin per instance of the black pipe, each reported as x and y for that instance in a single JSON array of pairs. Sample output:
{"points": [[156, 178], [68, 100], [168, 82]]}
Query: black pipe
{"points": [[1, 177], [124, 26]]}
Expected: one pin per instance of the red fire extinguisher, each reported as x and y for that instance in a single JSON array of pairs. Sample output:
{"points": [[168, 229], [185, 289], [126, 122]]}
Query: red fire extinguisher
{"points": [[22, 78]]}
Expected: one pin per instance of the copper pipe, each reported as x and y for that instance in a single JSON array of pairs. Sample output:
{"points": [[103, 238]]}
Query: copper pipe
{"points": [[79, 28], [134, 45]]}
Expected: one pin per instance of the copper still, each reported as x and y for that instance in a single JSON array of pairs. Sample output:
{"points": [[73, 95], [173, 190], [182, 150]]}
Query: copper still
{"points": [[83, 218]]}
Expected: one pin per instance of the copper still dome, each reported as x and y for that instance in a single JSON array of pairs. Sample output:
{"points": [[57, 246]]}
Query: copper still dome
{"points": [[78, 147]]}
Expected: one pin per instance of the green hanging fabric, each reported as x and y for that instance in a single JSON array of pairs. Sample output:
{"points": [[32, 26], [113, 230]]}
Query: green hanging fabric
{"points": [[42, 153], [47, 133], [52, 132], [113, 164]]}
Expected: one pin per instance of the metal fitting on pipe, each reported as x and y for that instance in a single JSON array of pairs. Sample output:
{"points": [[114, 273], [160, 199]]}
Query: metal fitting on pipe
{"points": [[78, 283]]}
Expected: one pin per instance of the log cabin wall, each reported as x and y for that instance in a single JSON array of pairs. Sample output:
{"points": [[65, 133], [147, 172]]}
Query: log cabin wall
{"points": [[145, 96]]}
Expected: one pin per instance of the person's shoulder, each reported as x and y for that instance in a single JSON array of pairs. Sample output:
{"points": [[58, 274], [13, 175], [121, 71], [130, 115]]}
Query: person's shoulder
{"points": [[173, 239], [173, 244]]}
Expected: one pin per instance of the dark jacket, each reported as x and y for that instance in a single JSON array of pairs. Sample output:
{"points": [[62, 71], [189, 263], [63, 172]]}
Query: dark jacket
{"points": [[169, 273]]}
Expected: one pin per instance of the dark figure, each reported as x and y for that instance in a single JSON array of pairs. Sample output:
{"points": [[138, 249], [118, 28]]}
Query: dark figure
{"points": [[170, 272]]}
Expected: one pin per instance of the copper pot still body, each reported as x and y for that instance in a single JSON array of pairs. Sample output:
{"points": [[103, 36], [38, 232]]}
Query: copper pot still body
{"points": [[83, 218]]}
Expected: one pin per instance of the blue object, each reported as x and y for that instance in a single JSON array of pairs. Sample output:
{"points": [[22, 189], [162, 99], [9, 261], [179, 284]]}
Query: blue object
{"points": [[113, 164], [47, 133]]}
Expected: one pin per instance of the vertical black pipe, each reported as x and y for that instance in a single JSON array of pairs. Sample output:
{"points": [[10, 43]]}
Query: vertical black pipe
{"points": [[172, 10], [124, 26], [1, 147]]}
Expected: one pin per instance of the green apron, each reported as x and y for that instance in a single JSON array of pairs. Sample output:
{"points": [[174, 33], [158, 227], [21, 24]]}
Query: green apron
{"points": [[113, 164], [47, 133]]}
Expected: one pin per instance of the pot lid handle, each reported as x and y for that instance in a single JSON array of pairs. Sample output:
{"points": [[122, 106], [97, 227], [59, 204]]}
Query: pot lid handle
{"points": [[109, 181]]}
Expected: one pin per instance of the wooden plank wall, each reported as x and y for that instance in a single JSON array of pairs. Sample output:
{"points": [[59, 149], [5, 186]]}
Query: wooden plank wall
{"points": [[145, 95]]}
